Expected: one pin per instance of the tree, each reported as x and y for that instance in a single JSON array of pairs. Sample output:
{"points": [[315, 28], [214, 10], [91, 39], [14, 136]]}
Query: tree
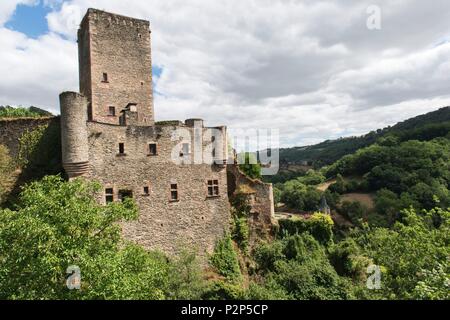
{"points": [[251, 167], [412, 254], [59, 224]]}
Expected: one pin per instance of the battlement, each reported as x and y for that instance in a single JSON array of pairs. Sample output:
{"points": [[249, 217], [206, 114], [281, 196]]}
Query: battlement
{"points": [[99, 16]]}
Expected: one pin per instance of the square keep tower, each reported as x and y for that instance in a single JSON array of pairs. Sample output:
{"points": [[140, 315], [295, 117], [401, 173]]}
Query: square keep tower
{"points": [[115, 66]]}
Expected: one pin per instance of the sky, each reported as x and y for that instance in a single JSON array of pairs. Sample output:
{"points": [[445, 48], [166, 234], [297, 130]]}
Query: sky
{"points": [[313, 69]]}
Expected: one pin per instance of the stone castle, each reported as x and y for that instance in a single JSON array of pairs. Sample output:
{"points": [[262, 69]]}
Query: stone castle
{"points": [[179, 173]]}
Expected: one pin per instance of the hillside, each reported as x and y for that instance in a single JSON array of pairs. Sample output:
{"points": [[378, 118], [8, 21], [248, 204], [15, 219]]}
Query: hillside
{"points": [[424, 127]]}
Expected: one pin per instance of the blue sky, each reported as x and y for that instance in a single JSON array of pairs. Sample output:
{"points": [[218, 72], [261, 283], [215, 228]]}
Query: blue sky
{"points": [[30, 20]]}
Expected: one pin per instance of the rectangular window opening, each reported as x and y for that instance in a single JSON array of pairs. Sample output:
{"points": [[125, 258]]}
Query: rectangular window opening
{"points": [[213, 188], [174, 192], [105, 77], [152, 149], [109, 195], [121, 148], [112, 111], [146, 191], [124, 194]]}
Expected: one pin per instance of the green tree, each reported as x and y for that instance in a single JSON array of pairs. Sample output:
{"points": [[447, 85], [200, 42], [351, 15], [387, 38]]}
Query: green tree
{"points": [[58, 224], [412, 254], [225, 259], [251, 167]]}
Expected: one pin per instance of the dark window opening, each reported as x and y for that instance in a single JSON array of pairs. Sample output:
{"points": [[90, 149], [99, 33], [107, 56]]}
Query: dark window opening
{"points": [[213, 138], [121, 148], [214, 153], [125, 194], [112, 111], [105, 77], [146, 191], [213, 188], [109, 195], [174, 192], [152, 149]]}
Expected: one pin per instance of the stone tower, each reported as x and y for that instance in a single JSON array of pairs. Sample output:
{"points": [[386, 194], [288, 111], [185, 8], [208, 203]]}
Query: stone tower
{"points": [[115, 67]]}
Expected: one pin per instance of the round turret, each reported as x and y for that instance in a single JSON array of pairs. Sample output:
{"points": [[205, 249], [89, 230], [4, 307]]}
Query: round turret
{"points": [[74, 137]]}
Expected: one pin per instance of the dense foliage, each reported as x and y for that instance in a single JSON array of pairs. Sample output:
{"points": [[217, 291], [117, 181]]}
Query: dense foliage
{"points": [[250, 166], [59, 224], [21, 112]]}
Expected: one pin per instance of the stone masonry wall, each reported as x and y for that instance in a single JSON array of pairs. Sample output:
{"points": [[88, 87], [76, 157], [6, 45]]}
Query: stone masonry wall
{"points": [[262, 215], [196, 221], [12, 129]]}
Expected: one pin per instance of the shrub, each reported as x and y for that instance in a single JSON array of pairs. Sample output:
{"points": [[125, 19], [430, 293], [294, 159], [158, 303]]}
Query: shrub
{"points": [[320, 226], [225, 259], [241, 232]]}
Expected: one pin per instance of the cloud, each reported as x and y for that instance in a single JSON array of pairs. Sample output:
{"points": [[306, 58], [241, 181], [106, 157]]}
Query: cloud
{"points": [[35, 71], [309, 68]]}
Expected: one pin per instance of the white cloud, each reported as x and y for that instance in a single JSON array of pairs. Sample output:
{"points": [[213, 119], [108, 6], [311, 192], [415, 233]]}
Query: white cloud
{"points": [[310, 68]]}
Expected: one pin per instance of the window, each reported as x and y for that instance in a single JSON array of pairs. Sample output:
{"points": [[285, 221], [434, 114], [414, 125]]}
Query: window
{"points": [[213, 138], [173, 192], [105, 77], [213, 188], [152, 149], [112, 111], [186, 149], [121, 148], [109, 195], [124, 194], [146, 191], [214, 152]]}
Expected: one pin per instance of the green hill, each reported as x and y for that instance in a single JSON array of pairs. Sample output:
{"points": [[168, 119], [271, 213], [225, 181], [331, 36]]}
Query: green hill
{"points": [[423, 128]]}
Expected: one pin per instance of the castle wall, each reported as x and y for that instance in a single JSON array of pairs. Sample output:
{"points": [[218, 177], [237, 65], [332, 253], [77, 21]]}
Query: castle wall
{"points": [[195, 221], [120, 47], [262, 214], [11, 130]]}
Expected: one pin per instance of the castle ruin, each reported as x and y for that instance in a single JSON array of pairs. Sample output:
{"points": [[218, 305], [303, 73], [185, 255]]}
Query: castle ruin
{"points": [[178, 172]]}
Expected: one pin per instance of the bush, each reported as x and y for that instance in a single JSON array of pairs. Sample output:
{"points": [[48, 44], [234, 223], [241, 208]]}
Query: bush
{"points": [[299, 269], [225, 259], [222, 290], [300, 196], [241, 232], [354, 211], [320, 226]]}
